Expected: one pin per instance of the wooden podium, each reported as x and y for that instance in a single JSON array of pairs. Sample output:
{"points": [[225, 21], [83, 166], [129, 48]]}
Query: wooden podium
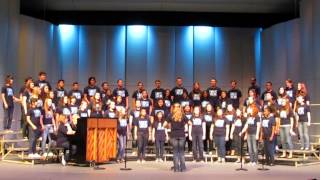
{"points": [[101, 139], [93, 136]]}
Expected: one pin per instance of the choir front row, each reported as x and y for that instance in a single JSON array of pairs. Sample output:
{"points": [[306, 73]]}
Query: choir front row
{"points": [[200, 129]]}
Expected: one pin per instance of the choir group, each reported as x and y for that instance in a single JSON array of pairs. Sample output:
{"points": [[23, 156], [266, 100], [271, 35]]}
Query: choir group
{"points": [[195, 122]]}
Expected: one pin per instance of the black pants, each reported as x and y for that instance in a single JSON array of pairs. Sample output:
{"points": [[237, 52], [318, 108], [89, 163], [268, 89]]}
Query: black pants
{"points": [[67, 148], [269, 149], [24, 125], [159, 148], [33, 136], [197, 146], [236, 144], [189, 144], [7, 117], [142, 145], [207, 143]]}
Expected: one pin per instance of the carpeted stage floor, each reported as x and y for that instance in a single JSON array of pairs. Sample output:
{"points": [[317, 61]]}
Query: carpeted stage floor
{"points": [[155, 171]]}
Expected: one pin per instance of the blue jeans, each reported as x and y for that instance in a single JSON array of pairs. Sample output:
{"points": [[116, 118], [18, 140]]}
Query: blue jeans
{"points": [[33, 136], [121, 146], [7, 117], [221, 146], [178, 153], [252, 146], [46, 135], [197, 146], [285, 137], [159, 148], [304, 134]]}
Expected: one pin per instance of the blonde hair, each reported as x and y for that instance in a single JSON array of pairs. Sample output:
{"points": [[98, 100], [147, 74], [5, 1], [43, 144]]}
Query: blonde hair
{"points": [[46, 107], [177, 112]]}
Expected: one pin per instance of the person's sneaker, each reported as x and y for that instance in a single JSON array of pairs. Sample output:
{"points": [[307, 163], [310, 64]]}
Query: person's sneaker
{"points": [[238, 161], [223, 160], [307, 149], [36, 155], [63, 161], [302, 148], [253, 164], [194, 161], [143, 161], [134, 153], [157, 160], [139, 161], [50, 154], [202, 161], [210, 153], [160, 160], [30, 156], [45, 154]]}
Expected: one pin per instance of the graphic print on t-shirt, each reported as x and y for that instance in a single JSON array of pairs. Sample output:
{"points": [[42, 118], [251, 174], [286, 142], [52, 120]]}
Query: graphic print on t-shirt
{"points": [[219, 123], [143, 124], [233, 95], [265, 123]]}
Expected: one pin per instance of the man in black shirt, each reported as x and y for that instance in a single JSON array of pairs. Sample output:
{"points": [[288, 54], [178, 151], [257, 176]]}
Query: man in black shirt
{"points": [[121, 91], [157, 93], [8, 98], [177, 92], [42, 81], [104, 89], [255, 87], [76, 92], [214, 93], [137, 94], [234, 94], [60, 92], [270, 91], [91, 89]]}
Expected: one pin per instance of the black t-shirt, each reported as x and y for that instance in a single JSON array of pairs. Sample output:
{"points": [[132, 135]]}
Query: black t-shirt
{"points": [[145, 104], [8, 95], [167, 103], [291, 93], [177, 127], [177, 93], [230, 117], [77, 94], [220, 126], [164, 111], [285, 117], [74, 109], [121, 92], [47, 117], [110, 114], [208, 118], [238, 124], [159, 130], [65, 110], [214, 95], [84, 113], [137, 95], [266, 125], [302, 111], [157, 94], [234, 95], [195, 96], [142, 124], [91, 90], [28, 95], [35, 115], [41, 84], [252, 124], [62, 136], [122, 126], [223, 103], [197, 124]]}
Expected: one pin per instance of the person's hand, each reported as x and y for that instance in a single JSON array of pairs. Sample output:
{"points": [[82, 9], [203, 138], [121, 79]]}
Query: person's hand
{"points": [[231, 136], [257, 137], [153, 139], [190, 138], [271, 138], [135, 138], [227, 138], [167, 138], [6, 106], [203, 137], [34, 127], [309, 124], [211, 137], [260, 140]]}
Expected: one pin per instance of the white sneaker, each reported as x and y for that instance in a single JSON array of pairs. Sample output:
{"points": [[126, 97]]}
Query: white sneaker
{"points": [[157, 160], [253, 164], [160, 160], [30, 156], [194, 161], [134, 153], [50, 154], [202, 161], [223, 160], [307, 149], [143, 161], [36, 155], [63, 161], [45, 154], [210, 153], [302, 148], [138, 161]]}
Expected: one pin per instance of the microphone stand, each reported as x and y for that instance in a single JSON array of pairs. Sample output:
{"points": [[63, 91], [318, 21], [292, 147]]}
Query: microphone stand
{"points": [[241, 154], [262, 168], [125, 158]]}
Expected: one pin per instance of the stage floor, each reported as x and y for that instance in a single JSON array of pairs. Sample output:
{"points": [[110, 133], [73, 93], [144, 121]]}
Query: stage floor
{"points": [[155, 171]]}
